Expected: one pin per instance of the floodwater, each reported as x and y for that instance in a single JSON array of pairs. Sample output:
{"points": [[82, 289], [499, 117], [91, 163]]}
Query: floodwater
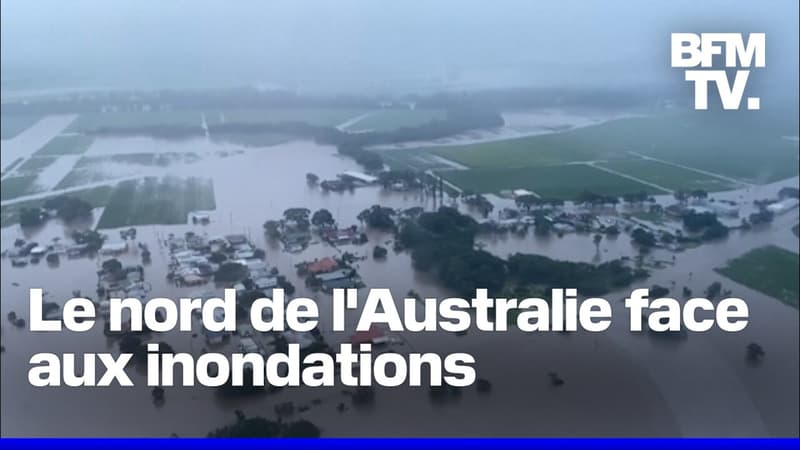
{"points": [[617, 383]]}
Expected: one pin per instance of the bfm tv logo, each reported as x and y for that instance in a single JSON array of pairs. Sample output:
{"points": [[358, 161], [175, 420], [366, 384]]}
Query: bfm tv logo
{"points": [[698, 50]]}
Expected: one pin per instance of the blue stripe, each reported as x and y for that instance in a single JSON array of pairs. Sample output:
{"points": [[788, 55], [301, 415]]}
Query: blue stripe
{"points": [[398, 444]]}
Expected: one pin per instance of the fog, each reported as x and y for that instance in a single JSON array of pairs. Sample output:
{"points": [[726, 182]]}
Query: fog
{"points": [[360, 46]]}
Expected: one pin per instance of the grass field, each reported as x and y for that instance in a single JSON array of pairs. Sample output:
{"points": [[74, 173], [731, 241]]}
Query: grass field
{"points": [[414, 159], [771, 270], [670, 177], [563, 182], [750, 148], [14, 124], [98, 196], [150, 201], [65, 145], [392, 119], [17, 186]]}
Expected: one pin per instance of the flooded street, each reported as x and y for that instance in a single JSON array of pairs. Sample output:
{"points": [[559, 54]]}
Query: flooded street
{"points": [[617, 383]]}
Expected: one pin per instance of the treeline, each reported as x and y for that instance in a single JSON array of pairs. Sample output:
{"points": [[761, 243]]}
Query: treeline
{"points": [[443, 242], [249, 97]]}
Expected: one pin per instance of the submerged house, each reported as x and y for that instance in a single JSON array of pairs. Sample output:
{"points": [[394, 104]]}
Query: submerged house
{"points": [[338, 279], [113, 248], [357, 178], [323, 265]]}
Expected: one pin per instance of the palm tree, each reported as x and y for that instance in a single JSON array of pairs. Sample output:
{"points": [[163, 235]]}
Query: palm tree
{"points": [[755, 352], [597, 239]]}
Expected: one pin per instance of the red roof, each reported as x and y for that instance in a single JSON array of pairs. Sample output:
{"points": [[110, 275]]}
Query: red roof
{"points": [[326, 264], [366, 337]]}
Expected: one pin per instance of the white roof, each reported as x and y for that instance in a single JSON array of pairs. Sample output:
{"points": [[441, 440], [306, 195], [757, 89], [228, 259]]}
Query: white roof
{"points": [[335, 275], [112, 246], [360, 176], [266, 282]]}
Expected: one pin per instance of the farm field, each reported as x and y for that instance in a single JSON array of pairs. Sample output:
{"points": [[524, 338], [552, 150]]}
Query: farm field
{"points": [[668, 176], [771, 270], [415, 159], [151, 200], [14, 124], [65, 145], [35, 164], [753, 151], [97, 197], [562, 182], [392, 119], [93, 169], [17, 186]]}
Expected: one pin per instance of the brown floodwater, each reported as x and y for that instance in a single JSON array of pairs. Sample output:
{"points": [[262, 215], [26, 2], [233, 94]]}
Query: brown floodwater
{"points": [[617, 383]]}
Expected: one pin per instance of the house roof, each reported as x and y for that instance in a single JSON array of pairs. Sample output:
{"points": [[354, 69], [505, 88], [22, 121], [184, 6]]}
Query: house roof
{"points": [[335, 275], [326, 264], [366, 337]]}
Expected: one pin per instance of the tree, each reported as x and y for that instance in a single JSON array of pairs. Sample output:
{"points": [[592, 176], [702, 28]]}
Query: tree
{"points": [[259, 427], [322, 217], [272, 228], [713, 290], [112, 265], [597, 239], [296, 213], [31, 217], [230, 272], [755, 353], [681, 196], [312, 179], [643, 238], [379, 252], [378, 217]]}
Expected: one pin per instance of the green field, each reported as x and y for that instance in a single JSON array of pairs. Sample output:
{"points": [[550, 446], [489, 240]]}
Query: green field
{"points": [[746, 147], [9, 214], [35, 164], [413, 159], [670, 177], [154, 201], [563, 182], [392, 119], [14, 124], [65, 145], [17, 186], [771, 270]]}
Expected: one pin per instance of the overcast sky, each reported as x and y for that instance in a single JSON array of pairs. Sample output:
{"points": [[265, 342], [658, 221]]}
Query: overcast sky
{"points": [[369, 44]]}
